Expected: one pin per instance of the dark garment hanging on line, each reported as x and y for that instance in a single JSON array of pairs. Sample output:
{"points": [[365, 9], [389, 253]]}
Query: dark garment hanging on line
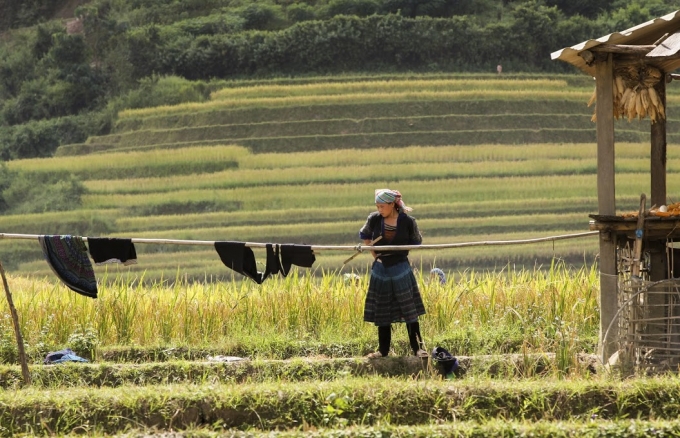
{"points": [[111, 250], [240, 258], [299, 255], [273, 260], [67, 256]]}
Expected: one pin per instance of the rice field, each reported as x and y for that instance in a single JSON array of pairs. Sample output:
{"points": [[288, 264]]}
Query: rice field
{"points": [[269, 169], [297, 161], [298, 371]]}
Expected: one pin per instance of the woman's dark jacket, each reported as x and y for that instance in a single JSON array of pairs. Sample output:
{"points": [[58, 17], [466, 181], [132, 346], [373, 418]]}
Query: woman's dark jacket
{"points": [[407, 234]]}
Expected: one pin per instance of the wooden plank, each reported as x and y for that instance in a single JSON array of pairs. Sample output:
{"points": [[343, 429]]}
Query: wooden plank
{"points": [[606, 200], [624, 49], [654, 230], [669, 47]]}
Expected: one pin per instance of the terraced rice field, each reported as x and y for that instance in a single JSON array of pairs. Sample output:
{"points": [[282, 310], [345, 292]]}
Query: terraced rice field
{"points": [[296, 161], [218, 359]]}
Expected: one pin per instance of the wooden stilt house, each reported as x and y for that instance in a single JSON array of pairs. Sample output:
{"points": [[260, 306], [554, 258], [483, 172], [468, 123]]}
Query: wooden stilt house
{"points": [[632, 70]]}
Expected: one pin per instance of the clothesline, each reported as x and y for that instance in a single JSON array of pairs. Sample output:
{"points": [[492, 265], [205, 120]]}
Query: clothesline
{"points": [[345, 247]]}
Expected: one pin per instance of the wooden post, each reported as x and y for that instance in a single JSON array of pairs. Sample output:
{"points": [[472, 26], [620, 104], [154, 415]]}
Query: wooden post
{"points": [[658, 152], [17, 330], [606, 202], [657, 303]]}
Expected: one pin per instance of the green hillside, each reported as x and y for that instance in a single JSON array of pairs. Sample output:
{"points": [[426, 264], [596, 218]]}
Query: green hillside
{"points": [[478, 158]]}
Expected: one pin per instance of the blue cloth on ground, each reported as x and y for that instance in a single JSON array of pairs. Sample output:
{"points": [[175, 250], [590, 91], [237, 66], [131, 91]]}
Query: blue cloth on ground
{"points": [[61, 356]]}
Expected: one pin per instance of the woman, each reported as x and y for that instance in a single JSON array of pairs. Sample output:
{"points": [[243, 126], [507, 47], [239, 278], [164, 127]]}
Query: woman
{"points": [[393, 294]]}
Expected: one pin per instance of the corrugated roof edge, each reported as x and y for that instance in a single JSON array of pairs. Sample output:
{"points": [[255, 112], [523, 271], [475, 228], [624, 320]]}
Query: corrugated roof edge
{"points": [[570, 54]]}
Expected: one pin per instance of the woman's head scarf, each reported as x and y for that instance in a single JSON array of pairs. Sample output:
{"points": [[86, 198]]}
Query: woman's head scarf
{"points": [[386, 196]]}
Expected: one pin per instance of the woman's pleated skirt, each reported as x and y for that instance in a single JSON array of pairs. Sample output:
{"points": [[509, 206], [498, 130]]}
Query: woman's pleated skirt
{"points": [[393, 295]]}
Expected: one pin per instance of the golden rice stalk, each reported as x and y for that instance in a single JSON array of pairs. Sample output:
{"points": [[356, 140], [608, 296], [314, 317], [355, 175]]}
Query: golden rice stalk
{"points": [[594, 118], [661, 110]]}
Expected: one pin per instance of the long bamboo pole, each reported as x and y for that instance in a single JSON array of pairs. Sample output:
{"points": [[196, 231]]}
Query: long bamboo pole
{"points": [[348, 247], [17, 330]]}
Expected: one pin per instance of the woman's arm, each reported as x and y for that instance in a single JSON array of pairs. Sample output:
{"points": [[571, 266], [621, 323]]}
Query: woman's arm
{"points": [[368, 242], [415, 238]]}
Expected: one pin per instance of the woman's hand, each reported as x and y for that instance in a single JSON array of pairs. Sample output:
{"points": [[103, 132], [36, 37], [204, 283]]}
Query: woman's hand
{"points": [[368, 242]]}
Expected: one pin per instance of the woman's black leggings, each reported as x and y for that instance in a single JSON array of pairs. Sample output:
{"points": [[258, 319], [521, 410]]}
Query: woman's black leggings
{"points": [[385, 337]]}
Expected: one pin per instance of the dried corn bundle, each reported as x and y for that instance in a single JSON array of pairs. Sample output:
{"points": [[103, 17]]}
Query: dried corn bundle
{"points": [[633, 93], [670, 210]]}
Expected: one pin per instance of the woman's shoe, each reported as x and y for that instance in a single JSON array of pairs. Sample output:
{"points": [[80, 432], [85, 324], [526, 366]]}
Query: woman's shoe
{"points": [[422, 353], [374, 355]]}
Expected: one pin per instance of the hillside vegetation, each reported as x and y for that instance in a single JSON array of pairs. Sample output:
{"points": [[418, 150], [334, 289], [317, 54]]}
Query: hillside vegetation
{"points": [[64, 78]]}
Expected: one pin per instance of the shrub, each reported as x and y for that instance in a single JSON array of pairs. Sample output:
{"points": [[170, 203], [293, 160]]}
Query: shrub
{"points": [[56, 192], [41, 138], [261, 16], [162, 90], [360, 8], [300, 12]]}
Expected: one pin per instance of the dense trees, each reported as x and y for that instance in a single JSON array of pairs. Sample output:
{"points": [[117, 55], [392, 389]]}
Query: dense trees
{"points": [[60, 83]]}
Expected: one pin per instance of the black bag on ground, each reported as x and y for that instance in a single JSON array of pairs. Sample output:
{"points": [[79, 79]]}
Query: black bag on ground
{"points": [[446, 363]]}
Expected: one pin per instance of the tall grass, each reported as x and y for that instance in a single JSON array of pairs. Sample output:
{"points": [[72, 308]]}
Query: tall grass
{"points": [[94, 163], [452, 154], [535, 303], [356, 125], [566, 187], [452, 209], [236, 178], [451, 227], [392, 86], [349, 175], [98, 165], [352, 111], [414, 96], [486, 158]]}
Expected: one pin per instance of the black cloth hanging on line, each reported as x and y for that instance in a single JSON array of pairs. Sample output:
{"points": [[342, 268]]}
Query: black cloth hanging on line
{"points": [[273, 261], [67, 257], [299, 255], [111, 250], [240, 258]]}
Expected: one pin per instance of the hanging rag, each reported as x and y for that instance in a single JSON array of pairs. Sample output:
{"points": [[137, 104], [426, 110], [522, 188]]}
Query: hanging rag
{"points": [[240, 258], [111, 250], [273, 260], [299, 255], [67, 256]]}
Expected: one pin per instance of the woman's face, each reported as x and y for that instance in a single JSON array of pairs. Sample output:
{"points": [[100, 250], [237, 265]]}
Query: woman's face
{"points": [[385, 210]]}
